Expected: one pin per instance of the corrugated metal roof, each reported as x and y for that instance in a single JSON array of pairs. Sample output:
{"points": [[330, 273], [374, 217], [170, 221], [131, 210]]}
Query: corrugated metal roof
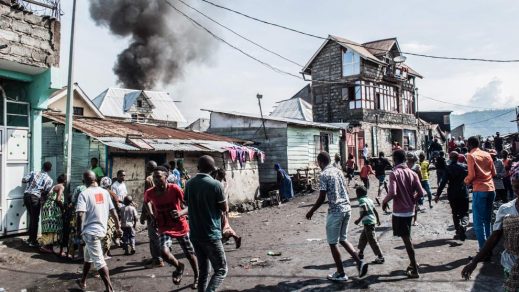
{"points": [[168, 145], [277, 119], [295, 108], [111, 103], [98, 128]]}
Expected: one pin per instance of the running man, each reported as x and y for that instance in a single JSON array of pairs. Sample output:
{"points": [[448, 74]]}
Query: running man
{"points": [[333, 187]]}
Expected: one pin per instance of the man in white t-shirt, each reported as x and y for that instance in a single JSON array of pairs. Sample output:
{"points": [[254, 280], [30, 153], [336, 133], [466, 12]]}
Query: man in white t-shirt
{"points": [[94, 205], [119, 187]]}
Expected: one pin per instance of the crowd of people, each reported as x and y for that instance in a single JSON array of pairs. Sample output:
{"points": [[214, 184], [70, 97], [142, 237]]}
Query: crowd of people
{"points": [[100, 214], [485, 170], [193, 211]]}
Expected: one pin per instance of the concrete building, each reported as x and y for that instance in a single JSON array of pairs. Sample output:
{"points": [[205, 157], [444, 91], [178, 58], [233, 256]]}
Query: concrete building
{"points": [[29, 50], [368, 86], [292, 143], [144, 106]]}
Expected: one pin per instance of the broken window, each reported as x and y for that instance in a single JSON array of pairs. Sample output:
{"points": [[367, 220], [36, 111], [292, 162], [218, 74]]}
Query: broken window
{"points": [[350, 63]]}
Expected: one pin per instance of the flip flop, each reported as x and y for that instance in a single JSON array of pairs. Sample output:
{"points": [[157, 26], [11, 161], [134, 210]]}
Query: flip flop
{"points": [[176, 276], [81, 286]]}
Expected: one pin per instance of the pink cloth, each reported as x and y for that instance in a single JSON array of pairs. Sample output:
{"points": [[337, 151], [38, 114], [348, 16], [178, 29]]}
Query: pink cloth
{"points": [[251, 154], [232, 153]]}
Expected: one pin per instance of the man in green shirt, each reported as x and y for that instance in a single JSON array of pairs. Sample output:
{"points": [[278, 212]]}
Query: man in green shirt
{"points": [[96, 169], [206, 202]]}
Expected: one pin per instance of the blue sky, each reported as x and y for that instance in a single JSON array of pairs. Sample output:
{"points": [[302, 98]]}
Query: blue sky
{"points": [[230, 81]]}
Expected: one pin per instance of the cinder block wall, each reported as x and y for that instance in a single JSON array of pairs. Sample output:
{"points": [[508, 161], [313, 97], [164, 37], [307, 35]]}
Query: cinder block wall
{"points": [[32, 40]]}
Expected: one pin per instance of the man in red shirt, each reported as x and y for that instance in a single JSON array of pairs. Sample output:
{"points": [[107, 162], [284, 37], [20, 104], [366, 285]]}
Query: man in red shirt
{"points": [[170, 216]]}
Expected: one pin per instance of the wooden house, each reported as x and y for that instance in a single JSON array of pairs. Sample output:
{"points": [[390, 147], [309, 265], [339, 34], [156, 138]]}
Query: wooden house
{"points": [[292, 143]]}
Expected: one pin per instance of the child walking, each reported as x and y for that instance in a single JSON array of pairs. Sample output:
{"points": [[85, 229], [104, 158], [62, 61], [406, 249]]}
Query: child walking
{"points": [[350, 168], [369, 217], [365, 172], [129, 221]]}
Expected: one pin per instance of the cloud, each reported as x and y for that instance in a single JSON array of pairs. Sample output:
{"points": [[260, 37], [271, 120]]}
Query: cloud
{"points": [[415, 47], [491, 95]]}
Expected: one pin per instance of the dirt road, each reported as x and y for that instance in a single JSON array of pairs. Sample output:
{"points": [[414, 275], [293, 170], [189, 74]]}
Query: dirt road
{"points": [[303, 265]]}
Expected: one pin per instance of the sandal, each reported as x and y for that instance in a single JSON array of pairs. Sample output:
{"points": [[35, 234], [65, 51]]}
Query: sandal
{"points": [[176, 276]]}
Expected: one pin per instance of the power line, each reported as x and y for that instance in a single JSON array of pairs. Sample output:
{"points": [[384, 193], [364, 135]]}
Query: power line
{"points": [[274, 68], [485, 120], [241, 36], [355, 44], [457, 104]]}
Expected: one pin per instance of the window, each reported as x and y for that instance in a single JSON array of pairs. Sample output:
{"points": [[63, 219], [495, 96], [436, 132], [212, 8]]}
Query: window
{"points": [[139, 103], [361, 95], [409, 140], [350, 63], [387, 98], [138, 118], [78, 111], [17, 114], [408, 102], [447, 119]]}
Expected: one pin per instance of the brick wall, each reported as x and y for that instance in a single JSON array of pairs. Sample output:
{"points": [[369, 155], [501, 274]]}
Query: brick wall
{"points": [[32, 40]]}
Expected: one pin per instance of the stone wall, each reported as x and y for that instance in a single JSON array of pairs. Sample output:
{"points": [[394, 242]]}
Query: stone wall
{"points": [[32, 40], [329, 106]]}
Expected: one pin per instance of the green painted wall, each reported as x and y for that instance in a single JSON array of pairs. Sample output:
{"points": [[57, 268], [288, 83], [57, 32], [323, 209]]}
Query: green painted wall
{"points": [[35, 89], [303, 146]]}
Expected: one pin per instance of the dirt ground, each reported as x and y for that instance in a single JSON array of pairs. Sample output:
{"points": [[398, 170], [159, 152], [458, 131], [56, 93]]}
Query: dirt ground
{"points": [[303, 265]]}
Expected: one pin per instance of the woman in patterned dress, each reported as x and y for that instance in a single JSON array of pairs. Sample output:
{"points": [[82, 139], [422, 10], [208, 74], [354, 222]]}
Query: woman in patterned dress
{"points": [[51, 217], [106, 183]]}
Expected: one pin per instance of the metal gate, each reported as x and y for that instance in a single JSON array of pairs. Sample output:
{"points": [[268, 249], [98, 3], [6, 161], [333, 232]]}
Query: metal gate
{"points": [[15, 141]]}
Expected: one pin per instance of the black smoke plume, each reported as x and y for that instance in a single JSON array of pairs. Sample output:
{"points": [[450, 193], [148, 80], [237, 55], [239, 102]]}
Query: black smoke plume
{"points": [[162, 42]]}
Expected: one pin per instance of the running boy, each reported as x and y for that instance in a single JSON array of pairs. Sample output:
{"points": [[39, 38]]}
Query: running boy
{"points": [[333, 187], [424, 167], [129, 221], [369, 217], [350, 168], [365, 172]]}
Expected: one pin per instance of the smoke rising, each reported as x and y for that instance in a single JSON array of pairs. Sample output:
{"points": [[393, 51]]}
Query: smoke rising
{"points": [[162, 43]]}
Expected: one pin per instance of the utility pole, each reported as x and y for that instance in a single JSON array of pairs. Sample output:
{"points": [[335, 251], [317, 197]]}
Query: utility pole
{"points": [[70, 103], [259, 97]]}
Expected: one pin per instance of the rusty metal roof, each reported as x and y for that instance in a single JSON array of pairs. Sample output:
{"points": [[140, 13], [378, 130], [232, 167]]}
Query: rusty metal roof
{"points": [[99, 128]]}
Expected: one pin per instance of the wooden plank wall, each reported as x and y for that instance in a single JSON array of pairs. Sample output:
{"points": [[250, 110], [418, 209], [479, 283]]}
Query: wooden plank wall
{"points": [[302, 148], [53, 147]]}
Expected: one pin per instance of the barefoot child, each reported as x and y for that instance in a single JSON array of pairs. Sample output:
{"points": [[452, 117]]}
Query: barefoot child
{"points": [[368, 216], [129, 221]]}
